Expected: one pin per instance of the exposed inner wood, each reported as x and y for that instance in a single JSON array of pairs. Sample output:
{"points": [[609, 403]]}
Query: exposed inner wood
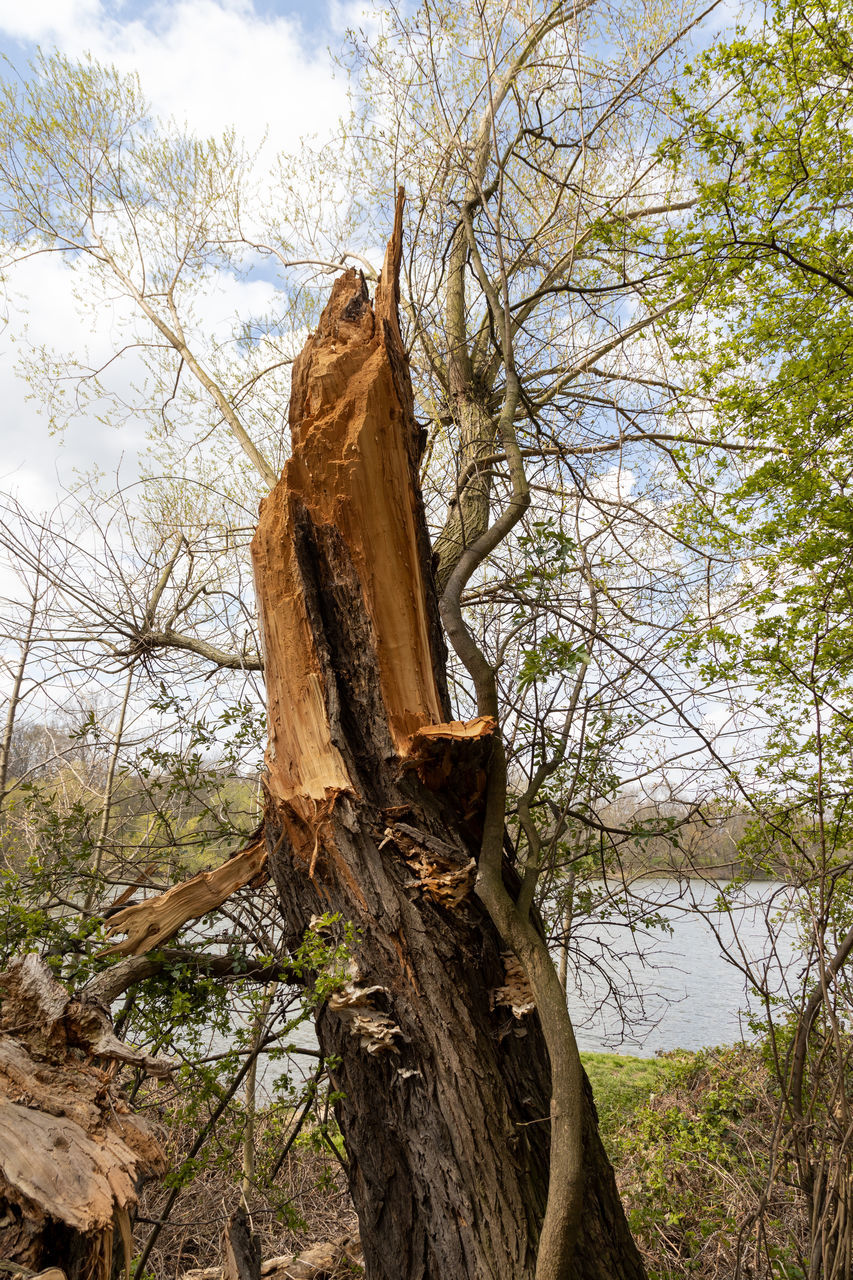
{"points": [[453, 731], [452, 758], [353, 473], [354, 456], [150, 923], [374, 818]]}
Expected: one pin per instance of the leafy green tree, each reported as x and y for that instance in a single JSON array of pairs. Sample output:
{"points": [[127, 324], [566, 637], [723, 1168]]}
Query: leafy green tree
{"points": [[766, 263]]}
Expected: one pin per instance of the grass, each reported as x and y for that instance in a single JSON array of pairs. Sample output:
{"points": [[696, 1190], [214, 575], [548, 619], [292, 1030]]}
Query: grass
{"points": [[619, 1085]]}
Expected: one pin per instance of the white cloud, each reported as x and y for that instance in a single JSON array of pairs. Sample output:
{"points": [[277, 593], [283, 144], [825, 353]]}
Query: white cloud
{"points": [[42, 21], [33, 458], [211, 63], [355, 14]]}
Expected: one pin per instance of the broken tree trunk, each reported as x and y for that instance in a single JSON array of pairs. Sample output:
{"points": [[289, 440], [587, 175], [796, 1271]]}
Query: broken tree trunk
{"points": [[374, 802], [242, 1249]]}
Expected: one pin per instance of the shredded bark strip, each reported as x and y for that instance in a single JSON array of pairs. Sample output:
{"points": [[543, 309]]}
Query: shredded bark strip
{"points": [[150, 923]]}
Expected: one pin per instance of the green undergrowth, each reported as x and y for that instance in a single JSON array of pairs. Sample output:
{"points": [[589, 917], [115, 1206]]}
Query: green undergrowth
{"points": [[690, 1138], [620, 1084], [692, 1160]]}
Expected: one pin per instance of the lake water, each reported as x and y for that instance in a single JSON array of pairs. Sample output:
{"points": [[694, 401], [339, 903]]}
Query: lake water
{"points": [[644, 990], [679, 990]]}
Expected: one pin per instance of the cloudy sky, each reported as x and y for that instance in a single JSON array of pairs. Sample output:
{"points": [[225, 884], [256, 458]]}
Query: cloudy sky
{"points": [[211, 62], [260, 65]]}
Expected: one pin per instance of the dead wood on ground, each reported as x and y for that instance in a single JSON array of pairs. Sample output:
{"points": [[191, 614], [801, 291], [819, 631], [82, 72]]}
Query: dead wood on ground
{"points": [[72, 1156]]}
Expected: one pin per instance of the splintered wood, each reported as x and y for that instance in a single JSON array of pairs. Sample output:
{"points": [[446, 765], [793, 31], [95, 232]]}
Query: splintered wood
{"points": [[350, 479], [150, 923], [72, 1156], [350, 629], [453, 758], [341, 531]]}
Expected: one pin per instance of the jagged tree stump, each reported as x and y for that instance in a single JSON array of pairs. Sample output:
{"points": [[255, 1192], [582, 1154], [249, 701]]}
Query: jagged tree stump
{"points": [[373, 812]]}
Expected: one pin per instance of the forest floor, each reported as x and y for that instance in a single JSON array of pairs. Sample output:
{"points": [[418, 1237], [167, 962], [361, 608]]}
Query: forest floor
{"points": [[305, 1203], [687, 1134]]}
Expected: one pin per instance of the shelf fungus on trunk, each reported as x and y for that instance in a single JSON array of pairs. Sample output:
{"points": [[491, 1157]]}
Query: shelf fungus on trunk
{"points": [[72, 1156]]}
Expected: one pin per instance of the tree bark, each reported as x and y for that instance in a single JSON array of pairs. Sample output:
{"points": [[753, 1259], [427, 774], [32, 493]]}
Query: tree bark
{"points": [[242, 1249], [374, 815]]}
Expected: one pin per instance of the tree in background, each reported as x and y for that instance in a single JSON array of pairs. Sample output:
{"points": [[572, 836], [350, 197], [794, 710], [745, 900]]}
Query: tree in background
{"points": [[767, 264]]}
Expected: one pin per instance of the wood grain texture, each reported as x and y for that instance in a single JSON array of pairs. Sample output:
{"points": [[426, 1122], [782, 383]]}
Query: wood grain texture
{"points": [[242, 1249], [72, 1156], [150, 923], [374, 813]]}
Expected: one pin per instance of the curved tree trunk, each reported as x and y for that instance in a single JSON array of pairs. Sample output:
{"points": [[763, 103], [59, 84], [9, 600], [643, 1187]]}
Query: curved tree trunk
{"points": [[373, 813]]}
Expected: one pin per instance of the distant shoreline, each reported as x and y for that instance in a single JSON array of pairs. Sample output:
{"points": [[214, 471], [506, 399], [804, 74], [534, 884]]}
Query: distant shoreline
{"points": [[722, 872], [730, 871]]}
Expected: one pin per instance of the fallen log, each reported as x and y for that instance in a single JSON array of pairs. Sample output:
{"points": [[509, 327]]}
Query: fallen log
{"points": [[323, 1261], [11, 1271], [72, 1155]]}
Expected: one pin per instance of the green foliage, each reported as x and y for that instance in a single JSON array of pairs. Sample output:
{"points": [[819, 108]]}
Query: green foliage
{"points": [[768, 257], [693, 1162], [548, 553], [38, 889], [552, 656], [324, 956], [764, 270], [619, 1085]]}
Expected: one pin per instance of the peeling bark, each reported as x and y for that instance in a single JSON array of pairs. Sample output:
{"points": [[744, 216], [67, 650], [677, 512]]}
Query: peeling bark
{"points": [[72, 1156], [374, 812]]}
